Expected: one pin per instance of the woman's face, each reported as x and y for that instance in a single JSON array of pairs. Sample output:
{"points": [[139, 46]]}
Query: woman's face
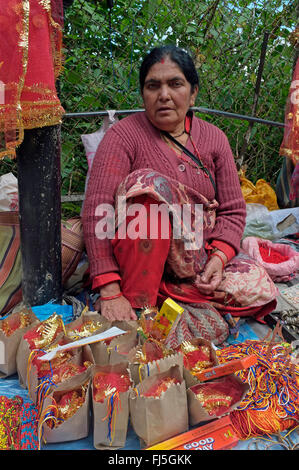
{"points": [[167, 96]]}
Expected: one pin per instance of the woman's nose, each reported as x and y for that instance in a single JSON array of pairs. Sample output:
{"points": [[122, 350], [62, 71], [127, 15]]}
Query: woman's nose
{"points": [[164, 93]]}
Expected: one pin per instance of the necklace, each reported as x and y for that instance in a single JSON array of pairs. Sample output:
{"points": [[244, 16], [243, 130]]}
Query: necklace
{"points": [[179, 135]]}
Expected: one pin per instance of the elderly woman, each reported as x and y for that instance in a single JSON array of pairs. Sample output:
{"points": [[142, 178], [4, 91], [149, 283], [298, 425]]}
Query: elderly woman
{"points": [[167, 157]]}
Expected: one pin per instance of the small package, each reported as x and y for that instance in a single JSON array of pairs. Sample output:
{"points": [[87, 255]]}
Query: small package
{"points": [[12, 328], [217, 435], [158, 407], [168, 316], [150, 358], [40, 336], [115, 350], [199, 355], [210, 400], [43, 376], [86, 325], [111, 386], [65, 414]]}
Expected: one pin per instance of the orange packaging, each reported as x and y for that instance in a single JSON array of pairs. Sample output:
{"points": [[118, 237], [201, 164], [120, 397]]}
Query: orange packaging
{"points": [[227, 368], [217, 435]]}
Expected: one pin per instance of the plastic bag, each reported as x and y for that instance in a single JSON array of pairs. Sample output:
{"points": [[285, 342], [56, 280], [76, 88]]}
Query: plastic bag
{"points": [[260, 193], [8, 193], [91, 141], [262, 223]]}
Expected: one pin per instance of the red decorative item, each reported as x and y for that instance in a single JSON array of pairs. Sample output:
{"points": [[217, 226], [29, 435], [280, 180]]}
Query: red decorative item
{"points": [[160, 386], [106, 383], [30, 63]]}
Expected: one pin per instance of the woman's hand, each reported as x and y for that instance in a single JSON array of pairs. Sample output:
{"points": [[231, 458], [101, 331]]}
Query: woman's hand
{"points": [[212, 275], [115, 309]]}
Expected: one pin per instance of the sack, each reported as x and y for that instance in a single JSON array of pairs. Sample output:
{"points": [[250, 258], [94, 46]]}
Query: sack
{"points": [[140, 371], [116, 350], [260, 193], [92, 141], [9, 341], [279, 272], [199, 320], [228, 401], [80, 357], [76, 426], [155, 419], [111, 417], [10, 261]]}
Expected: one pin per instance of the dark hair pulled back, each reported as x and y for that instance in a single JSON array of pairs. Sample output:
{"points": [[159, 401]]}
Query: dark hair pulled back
{"points": [[177, 55]]}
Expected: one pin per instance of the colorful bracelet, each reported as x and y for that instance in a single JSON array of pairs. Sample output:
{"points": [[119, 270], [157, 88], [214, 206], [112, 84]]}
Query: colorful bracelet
{"points": [[220, 257], [112, 296]]}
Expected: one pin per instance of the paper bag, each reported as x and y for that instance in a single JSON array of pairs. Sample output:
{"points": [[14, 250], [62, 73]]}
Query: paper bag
{"points": [[9, 344], [76, 426], [102, 350], [189, 378], [199, 413], [157, 419], [112, 416], [24, 349], [79, 356], [139, 371]]}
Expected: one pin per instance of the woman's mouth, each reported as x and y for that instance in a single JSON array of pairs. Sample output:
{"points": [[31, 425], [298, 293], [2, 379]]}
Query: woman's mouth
{"points": [[164, 109]]}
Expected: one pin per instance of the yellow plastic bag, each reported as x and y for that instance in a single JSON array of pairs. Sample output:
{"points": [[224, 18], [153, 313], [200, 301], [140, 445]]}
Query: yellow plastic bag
{"points": [[261, 193]]}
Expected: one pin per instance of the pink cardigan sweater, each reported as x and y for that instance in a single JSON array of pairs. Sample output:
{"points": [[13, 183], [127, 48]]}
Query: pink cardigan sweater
{"points": [[134, 143]]}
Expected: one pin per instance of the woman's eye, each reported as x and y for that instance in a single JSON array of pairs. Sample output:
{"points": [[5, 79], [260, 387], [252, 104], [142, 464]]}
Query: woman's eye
{"points": [[175, 84], [152, 86]]}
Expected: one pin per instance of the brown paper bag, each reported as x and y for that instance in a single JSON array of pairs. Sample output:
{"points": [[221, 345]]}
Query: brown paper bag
{"points": [[157, 419], [9, 344], [140, 371], [102, 350], [78, 357], [198, 413], [189, 378], [76, 426], [24, 350], [115, 435], [75, 331]]}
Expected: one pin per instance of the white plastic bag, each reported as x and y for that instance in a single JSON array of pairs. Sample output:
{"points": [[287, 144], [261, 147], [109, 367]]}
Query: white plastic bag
{"points": [[262, 223], [8, 193], [92, 141]]}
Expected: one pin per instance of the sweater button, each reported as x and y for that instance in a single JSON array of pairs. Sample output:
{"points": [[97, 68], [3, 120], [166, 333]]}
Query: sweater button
{"points": [[181, 167]]}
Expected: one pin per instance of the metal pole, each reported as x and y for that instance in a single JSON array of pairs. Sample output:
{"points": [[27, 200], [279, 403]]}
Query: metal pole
{"points": [[39, 184], [196, 109]]}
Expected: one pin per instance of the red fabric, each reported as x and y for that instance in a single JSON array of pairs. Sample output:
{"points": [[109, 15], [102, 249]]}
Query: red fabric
{"points": [[142, 263], [141, 274], [31, 62], [290, 144], [104, 279], [225, 248]]}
